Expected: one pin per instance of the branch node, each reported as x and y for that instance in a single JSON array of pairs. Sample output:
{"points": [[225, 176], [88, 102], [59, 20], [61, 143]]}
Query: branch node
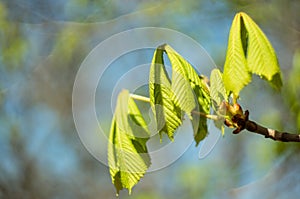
{"points": [[240, 121]]}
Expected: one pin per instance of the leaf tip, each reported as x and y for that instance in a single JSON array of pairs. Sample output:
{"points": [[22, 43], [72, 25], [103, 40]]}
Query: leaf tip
{"points": [[199, 136], [241, 13], [276, 81], [162, 46], [223, 130], [171, 138]]}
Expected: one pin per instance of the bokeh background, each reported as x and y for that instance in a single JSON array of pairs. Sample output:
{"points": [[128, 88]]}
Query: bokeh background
{"points": [[43, 43]]}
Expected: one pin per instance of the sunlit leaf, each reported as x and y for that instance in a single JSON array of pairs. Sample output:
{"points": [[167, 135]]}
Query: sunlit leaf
{"points": [[249, 52], [261, 57], [236, 73], [168, 116], [217, 89], [217, 94], [183, 92], [128, 158], [190, 92]]}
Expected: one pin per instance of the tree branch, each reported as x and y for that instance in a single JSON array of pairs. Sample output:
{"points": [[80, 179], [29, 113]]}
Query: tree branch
{"points": [[270, 133], [243, 122]]}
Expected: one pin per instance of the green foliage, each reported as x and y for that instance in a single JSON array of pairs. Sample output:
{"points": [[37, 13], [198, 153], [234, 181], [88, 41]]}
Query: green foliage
{"points": [[127, 152], [218, 95], [167, 115], [249, 52], [236, 73], [191, 92], [217, 89], [261, 57]]}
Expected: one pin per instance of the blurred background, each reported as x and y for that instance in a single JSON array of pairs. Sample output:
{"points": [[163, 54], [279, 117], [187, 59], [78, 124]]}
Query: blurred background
{"points": [[43, 43]]}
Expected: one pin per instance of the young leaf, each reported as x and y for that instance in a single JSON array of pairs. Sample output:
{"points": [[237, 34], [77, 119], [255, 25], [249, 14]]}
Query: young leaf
{"points": [[168, 116], [199, 122], [183, 92], [218, 95], [217, 89], [190, 91], [236, 73], [249, 52], [128, 158], [261, 57]]}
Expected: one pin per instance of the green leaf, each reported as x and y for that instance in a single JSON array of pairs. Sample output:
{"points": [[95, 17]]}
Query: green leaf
{"points": [[236, 73], [218, 95], [249, 52], [168, 116], [190, 92], [128, 158], [183, 92], [261, 57], [217, 89]]}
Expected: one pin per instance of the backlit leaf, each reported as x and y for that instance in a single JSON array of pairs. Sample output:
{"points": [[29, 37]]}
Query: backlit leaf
{"points": [[128, 158], [236, 73], [217, 89], [168, 116], [217, 94], [183, 92], [261, 57], [249, 52], [190, 91]]}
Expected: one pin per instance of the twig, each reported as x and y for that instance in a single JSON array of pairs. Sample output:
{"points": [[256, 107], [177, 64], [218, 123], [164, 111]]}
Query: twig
{"points": [[243, 122], [270, 133]]}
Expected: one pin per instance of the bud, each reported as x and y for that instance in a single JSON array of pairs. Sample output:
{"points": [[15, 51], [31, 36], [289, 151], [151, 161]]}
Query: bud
{"points": [[237, 109]]}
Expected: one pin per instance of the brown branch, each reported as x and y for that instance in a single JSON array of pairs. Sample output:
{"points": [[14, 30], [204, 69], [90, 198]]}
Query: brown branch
{"points": [[242, 122], [270, 133]]}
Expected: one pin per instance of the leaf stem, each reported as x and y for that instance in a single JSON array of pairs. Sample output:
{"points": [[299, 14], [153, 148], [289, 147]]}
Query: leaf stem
{"points": [[212, 117], [140, 98], [147, 99]]}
